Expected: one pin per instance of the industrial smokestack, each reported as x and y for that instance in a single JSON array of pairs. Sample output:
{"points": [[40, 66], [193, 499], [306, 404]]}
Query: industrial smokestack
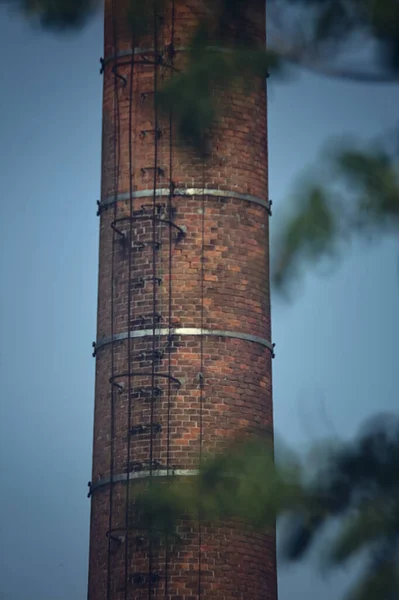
{"points": [[183, 350]]}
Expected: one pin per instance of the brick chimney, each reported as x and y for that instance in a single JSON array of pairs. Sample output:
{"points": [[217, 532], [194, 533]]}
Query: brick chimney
{"points": [[183, 350]]}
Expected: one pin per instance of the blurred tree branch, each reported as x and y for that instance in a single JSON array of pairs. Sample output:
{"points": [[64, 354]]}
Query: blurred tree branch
{"points": [[356, 484], [354, 192]]}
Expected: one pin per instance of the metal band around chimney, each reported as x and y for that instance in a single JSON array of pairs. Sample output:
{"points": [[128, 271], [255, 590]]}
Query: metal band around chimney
{"points": [[109, 200], [140, 333], [134, 475]]}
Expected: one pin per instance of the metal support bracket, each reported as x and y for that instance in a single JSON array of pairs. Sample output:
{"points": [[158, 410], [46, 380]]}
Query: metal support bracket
{"points": [[144, 95], [145, 465], [145, 428], [118, 386], [201, 379], [140, 246], [159, 171], [148, 209], [145, 578], [143, 320], [118, 75], [157, 280], [149, 392], [116, 535], [157, 133], [170, 50], [138, 579], [150, 355], [139, 539], [121, 233]]}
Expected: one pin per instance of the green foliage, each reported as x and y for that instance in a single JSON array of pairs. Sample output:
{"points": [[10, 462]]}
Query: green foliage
{"points": [[141, 18], [365, 527], [375, 179], [359, 198], [333, 21], [360, 486], [190, 95], [333, 24], [356, 484], [220, 55], [380, 583], [60, 14], [242, 484], [384, 26], [308, 234]]}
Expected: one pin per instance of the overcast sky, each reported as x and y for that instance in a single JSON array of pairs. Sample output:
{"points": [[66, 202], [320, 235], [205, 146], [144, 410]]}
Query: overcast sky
{"points": [[336, 343]]}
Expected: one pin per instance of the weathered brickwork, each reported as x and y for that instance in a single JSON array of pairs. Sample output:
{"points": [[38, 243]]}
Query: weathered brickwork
{"points": [[212, 273]]}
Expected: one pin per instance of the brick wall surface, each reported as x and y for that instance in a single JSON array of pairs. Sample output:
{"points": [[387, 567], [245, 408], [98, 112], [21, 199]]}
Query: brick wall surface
{"points": [[215, 277]]}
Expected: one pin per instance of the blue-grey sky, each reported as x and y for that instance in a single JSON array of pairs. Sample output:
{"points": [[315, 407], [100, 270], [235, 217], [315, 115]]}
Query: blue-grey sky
{"points": [[337, 351]]}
